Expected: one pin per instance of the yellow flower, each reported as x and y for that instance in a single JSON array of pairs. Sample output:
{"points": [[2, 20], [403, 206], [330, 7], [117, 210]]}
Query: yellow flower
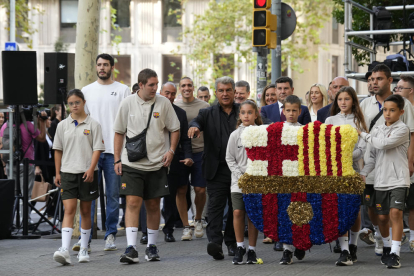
{"points": [[259, 261], [333, 151], [301, 166], [322, 148], [349, 137], [311, 142]]}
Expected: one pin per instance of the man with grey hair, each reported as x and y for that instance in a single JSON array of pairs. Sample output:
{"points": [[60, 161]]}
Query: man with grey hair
{"points": [[242, 92], [217, 123]]}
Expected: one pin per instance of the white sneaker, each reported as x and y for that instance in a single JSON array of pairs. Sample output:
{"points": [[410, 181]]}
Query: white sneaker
{"points": [[404, 239], [411, 246], [379, 245], [62, 256], [367, 236], [199, 231], [187, 234], [83, 256], [77, 246], [110, 243]]}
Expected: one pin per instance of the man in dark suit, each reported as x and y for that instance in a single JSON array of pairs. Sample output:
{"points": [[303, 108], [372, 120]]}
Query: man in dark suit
{"points": [[178, 166], [273, 112], [217, 123], [337, 83]]}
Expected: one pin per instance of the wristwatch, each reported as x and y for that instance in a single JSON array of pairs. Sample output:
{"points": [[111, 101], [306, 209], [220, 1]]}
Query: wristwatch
{"points": [[119, 161]]}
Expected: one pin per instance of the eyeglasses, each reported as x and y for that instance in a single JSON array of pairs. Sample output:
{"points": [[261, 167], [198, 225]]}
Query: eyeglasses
{"points": [[398, 88], [77, 103]]}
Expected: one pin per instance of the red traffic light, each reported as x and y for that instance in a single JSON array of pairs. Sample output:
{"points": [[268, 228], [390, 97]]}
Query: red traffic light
{"points": [[262, 4]]}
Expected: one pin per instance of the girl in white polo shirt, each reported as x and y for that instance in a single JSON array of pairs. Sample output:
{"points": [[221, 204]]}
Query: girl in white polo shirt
{"points": [[78, 144]]}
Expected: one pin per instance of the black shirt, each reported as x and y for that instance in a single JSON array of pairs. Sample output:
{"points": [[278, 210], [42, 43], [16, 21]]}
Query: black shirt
{"points": [[227, 126]]}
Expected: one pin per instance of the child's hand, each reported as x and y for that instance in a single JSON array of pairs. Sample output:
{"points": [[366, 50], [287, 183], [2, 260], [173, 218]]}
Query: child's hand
{"points": [[359, 132], [57, 180], [363, 178], [88, 176]]}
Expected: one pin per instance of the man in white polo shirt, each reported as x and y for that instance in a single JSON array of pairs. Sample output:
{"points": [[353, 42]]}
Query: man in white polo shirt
{"points": [[145, 179]]}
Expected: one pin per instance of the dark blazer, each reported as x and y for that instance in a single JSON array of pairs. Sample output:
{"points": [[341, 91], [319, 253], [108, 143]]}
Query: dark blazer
{"points": [[272, 113], [52, 128], [184, 144], [208, 121], [42, 154], [324, 113]]}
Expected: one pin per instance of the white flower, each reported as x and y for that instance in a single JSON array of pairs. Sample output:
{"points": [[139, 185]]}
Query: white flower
{"points": [[290, 134], [254, 136], [257, 167], [290, 168]]}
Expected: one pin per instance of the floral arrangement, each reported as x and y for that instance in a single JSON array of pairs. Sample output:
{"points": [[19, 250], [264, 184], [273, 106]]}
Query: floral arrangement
{"points": [[300, 187]]}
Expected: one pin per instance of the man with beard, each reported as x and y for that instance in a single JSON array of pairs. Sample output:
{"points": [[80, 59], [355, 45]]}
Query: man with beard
{"points": [[103, 98]]}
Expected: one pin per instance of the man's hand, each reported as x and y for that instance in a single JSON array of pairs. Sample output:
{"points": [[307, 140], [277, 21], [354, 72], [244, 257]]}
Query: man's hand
{"points": [[193, 132], [38, 171], [88, 176], [167, 158], [57, 180], [118, 168], [188, 162], [43, 114]]}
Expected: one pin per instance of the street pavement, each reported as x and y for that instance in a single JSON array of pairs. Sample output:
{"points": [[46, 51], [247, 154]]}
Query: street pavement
{"points": [[35, 257]]}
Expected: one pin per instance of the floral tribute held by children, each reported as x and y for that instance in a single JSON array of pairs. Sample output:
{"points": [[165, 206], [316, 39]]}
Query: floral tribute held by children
{"points": [[299, 187]]}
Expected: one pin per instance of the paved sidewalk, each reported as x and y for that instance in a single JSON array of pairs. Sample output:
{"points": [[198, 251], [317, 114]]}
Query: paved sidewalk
{"points": [[34, 257]]}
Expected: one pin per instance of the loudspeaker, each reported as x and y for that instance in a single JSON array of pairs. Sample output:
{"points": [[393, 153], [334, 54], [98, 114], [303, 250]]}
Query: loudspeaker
{"points": [[59, 76], [6, 207], [19, 77]]}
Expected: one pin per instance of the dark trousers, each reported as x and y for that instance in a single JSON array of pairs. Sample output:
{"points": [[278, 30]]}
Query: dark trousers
{"points": [[218, 190]]}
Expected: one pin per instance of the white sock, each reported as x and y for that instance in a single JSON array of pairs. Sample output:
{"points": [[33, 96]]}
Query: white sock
{"points": [[411, 235], [391, 232], [131, 234], [289, 247], [354, 238], [152, 237], [252, 248], [386, 241], [343, 242], [66, 236], [395, 247], [241, 244], [85, 234], [377, 231]]}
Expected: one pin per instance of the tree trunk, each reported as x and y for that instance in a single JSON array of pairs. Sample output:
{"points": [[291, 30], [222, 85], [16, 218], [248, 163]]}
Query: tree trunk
{"points": [[87, 42]]}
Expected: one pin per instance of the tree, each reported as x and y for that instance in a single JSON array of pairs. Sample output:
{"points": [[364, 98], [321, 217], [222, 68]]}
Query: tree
{"points": [[360, 22], [226, 28]]}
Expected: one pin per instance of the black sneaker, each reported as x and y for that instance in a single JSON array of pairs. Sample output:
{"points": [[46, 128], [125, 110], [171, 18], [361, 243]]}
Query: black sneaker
{"points": [[344, 259], [232, 249], [393, 261], [251, 257], [278, 246], [287, 258], [215, 250], [238, 257], [337, 247], [385, 255], [353, 251], [299, 254], [151, 253], [130, 256]]}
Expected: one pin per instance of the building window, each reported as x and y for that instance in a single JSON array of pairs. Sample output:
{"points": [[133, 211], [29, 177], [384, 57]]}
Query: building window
{"points": [[172, 68], [335, 33], [68, 20], [123, 66], [334, 67], [123, 19], [224, 65], [172, 24]]}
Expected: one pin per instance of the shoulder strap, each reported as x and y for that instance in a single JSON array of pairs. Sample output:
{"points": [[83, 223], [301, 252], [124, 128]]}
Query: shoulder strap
{"points": [[149, 119], [375, 120]]}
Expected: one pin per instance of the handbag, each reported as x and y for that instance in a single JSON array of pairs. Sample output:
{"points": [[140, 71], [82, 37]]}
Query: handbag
{"points": [[137, 146], [41, 188]]}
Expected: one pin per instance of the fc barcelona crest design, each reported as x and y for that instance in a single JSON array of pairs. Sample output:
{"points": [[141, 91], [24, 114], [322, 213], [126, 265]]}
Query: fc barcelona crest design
{"points": [[379, 207], [299, 186], [367, 197], [86, 132], [123, 186], [156, 114]]}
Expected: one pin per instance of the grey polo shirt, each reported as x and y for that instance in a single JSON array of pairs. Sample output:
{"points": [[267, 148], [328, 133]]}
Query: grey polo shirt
{"points": [[370, 109], [78, 144], [132, 119]]}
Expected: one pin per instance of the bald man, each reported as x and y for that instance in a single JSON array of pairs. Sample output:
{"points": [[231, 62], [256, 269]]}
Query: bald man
{"points": [[337, 83]]}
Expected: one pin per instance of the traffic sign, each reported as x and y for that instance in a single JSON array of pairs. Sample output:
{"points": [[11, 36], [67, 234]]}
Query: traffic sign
{"points": [[11, 46]]}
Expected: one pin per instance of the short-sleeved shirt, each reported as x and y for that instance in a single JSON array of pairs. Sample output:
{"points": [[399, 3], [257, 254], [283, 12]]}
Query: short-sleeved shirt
{"points": [[102, 103], [27, 137], [78, 142], [370, 108], [132, 119]]}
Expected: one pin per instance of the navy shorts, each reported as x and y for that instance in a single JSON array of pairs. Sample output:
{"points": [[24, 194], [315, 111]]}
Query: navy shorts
{"points": [[193, 175]]}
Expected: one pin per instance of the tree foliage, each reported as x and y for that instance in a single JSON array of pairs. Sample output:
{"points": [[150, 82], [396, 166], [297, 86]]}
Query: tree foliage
{"points": [[360, 22], [225, 29]]}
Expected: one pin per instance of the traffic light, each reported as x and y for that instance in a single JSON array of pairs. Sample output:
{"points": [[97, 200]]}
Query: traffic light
{"points": [[264, 22]]}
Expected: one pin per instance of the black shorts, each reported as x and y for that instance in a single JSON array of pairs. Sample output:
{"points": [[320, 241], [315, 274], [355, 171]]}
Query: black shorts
{"points": [[73, 186], [237, 201], [145, 184], [368, 196], [385, 200], [410, 198]]}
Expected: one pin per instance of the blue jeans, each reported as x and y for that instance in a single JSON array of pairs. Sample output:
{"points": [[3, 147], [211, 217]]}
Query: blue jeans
{"points": [[113, 182]]}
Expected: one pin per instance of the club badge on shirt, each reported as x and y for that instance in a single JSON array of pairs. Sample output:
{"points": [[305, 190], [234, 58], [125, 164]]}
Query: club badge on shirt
{"points": [[86, 132], [156, 114]]}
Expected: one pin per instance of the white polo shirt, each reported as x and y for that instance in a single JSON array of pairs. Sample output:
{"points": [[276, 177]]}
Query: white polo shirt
{"points": [[78, 144], [132, 119]]}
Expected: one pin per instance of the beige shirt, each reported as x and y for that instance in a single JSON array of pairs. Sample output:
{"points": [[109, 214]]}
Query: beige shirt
{"points": [[132, 119], [78, 144], [370, 109], [192, 110]]}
